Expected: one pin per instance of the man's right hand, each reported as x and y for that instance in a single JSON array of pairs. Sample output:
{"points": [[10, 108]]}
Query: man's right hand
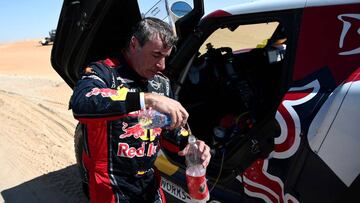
{"points": [[169, 106]]}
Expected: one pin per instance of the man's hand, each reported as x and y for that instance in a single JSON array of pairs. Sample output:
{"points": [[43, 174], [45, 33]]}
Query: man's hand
{"points": [[203, 148], [169, 106]]}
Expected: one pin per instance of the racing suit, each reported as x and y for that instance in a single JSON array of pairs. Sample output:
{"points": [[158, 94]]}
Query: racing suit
{"points": [[118, 154]]}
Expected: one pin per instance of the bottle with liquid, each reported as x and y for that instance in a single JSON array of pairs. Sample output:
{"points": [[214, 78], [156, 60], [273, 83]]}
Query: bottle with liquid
{"points": [[150, 118], [196, 173]]}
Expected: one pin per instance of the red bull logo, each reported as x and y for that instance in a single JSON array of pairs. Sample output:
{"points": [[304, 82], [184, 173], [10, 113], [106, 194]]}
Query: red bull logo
{"points": [[124, 150], [138, 132], [258, 181], [104, 92]]}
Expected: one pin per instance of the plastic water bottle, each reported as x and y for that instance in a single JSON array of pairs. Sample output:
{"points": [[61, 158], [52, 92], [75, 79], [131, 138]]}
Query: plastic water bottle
{"points": [[196, 173], [149, 119]]}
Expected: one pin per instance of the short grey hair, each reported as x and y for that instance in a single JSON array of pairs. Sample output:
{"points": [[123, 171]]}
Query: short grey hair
{"points": [[148, 27]]}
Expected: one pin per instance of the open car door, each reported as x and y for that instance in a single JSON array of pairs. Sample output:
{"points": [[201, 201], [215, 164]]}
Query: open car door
{"points": [[89, 30]]}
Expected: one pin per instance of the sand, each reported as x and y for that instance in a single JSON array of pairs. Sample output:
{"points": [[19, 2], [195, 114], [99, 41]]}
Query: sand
{"points": [[37, 156]]}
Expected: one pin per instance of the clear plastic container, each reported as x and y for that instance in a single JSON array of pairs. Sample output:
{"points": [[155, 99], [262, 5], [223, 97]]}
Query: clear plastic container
{"points": [[196, 173], [149, 119]]}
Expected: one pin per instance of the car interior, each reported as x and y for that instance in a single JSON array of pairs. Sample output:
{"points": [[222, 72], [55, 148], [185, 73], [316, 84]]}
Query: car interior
{"points": [[231, 87]]}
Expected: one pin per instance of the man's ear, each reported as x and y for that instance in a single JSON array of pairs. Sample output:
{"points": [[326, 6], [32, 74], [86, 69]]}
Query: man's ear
{"points": [[134, 43]]}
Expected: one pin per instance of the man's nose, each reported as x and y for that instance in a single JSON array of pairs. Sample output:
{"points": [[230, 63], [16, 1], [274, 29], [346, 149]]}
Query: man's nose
{"points": [[161, 64]]}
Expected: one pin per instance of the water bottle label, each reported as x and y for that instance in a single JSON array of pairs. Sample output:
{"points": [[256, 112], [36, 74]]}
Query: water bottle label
{"points": [[197, 187]]}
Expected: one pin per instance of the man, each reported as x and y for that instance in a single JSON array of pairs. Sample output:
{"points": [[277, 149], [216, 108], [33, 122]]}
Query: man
{"points": [[118, 153]]}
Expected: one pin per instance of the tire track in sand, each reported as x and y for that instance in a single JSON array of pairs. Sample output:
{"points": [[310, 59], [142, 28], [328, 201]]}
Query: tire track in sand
{"points": [[37, 144]]}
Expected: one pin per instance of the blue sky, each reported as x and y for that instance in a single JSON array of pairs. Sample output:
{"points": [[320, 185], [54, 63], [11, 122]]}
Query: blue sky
{"points": [[27, 19], [33, 19]]}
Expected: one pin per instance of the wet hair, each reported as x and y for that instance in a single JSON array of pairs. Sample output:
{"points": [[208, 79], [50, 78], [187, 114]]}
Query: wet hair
{"points": [[148, 27]]}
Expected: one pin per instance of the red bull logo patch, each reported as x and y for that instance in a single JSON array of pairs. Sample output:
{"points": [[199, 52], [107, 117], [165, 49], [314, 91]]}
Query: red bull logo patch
{"points": [[115, 95], [124, 150], [138, 132], [104, 92]]}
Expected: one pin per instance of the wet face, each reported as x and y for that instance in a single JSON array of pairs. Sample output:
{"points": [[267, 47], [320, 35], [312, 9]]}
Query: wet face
{"points": [[149, 59]]}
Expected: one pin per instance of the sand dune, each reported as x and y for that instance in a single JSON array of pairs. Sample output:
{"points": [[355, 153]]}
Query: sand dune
{"points": [[26, 58]]}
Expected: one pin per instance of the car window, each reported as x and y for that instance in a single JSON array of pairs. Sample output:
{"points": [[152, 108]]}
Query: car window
{"points": [[243, 37]]}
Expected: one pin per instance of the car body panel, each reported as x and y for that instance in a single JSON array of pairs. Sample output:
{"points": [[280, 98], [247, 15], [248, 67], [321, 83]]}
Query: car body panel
{"points": [[335, 127], [256, 6], [320, 44], [166, 167], [248, 7]]}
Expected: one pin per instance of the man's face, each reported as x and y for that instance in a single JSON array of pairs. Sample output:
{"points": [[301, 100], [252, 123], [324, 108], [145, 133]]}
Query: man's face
{"points": [[150, 58]]}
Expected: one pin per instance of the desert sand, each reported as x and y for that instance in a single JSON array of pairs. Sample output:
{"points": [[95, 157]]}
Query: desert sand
{"points": [[37, 156]]}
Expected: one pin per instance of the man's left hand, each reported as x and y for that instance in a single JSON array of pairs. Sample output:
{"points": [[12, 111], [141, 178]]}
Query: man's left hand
{"points": [[204, 150]]}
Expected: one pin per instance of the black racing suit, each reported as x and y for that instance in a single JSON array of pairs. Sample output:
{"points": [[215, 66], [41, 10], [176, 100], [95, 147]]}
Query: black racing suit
{"points": [[118, 154]]}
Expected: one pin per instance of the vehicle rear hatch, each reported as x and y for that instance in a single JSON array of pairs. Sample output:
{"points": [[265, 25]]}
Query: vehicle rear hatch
{"points": [[89, 30]]}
